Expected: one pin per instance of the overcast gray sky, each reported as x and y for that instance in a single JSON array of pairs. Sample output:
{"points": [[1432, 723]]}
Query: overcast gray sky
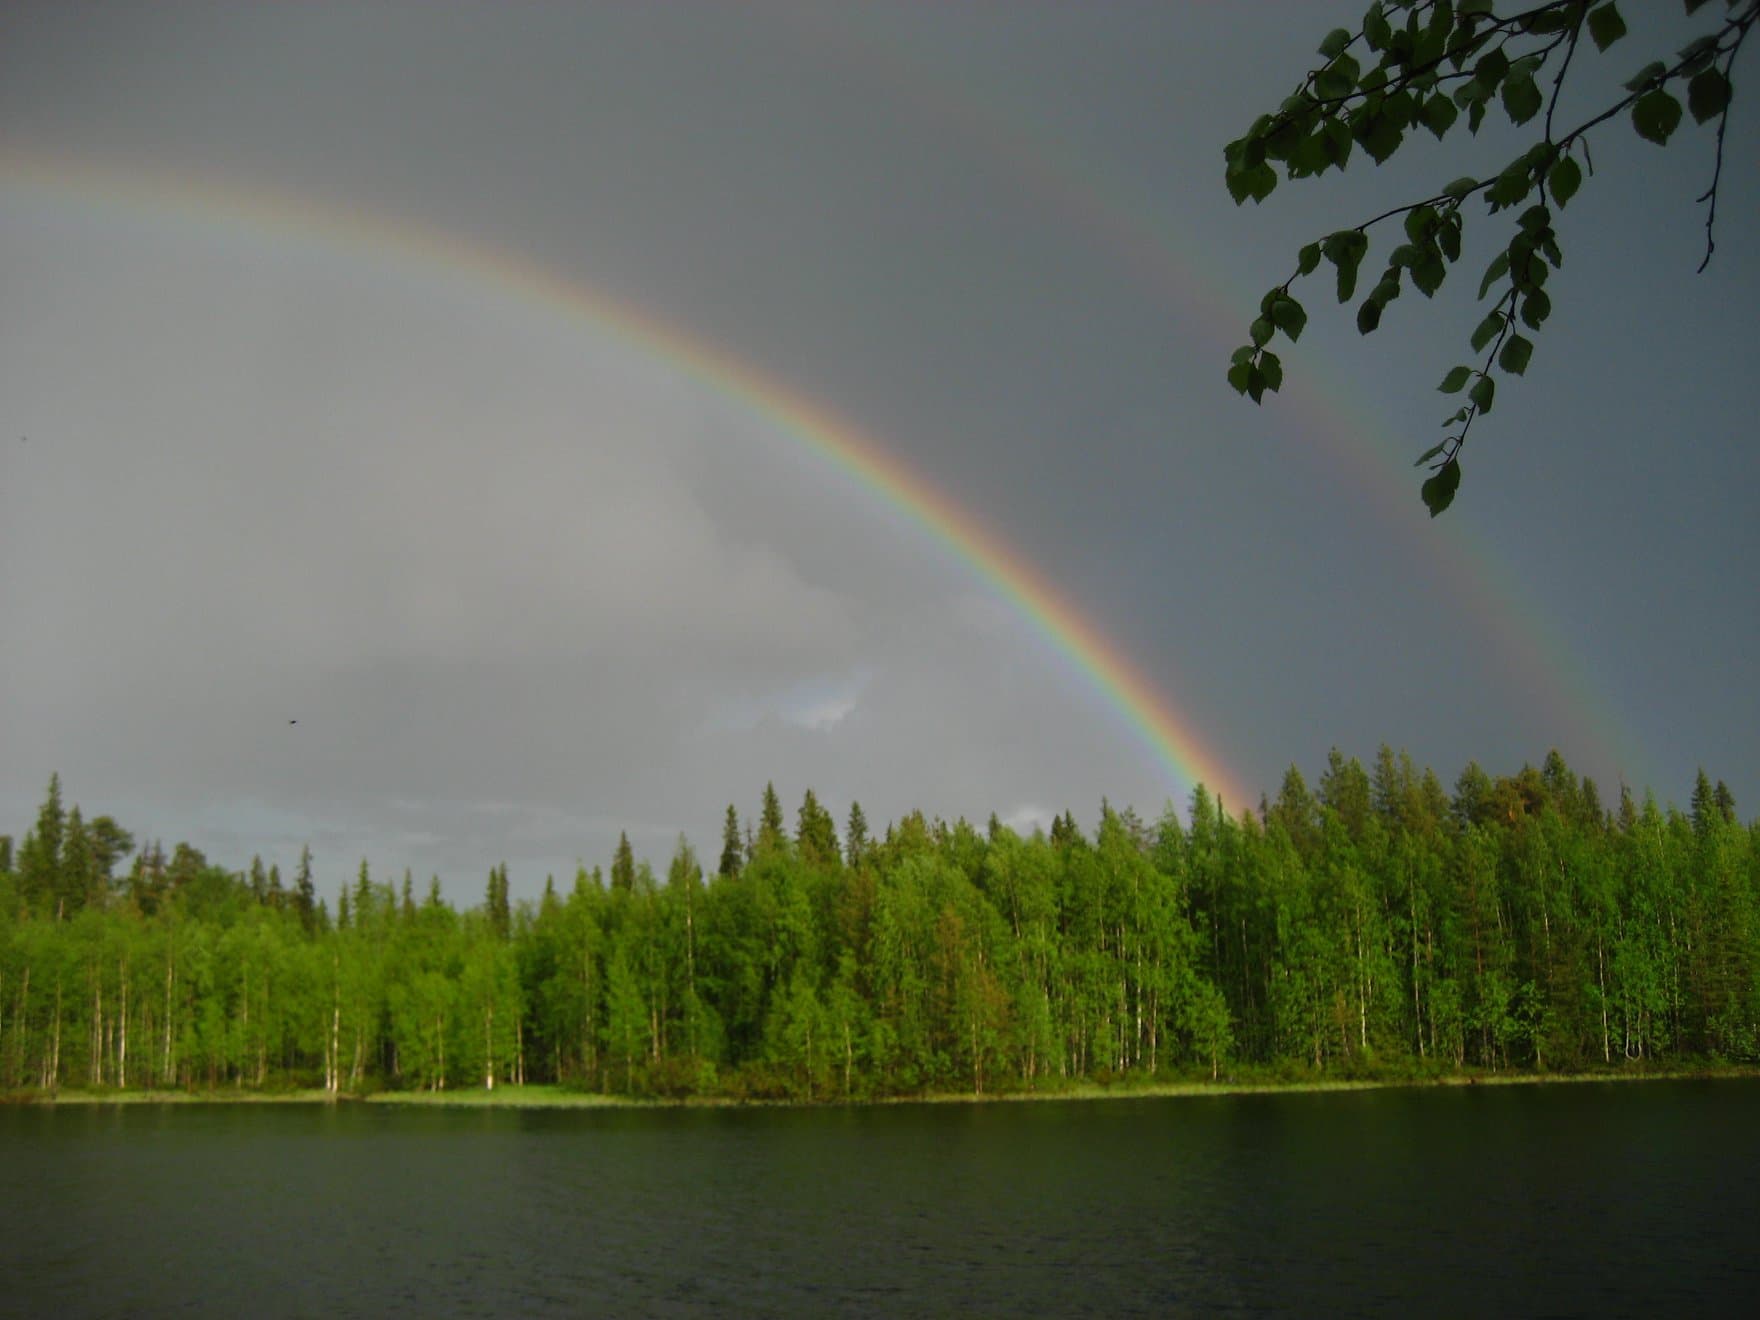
{"points": [[525, 581]]}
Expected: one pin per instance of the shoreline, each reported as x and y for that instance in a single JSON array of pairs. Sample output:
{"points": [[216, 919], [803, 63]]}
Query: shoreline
{"points": [[555, 1097]]}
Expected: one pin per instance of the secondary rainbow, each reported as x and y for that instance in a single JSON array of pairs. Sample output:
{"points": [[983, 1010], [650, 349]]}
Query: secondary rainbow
{"points": [[1064, 181], [1119, 681]]}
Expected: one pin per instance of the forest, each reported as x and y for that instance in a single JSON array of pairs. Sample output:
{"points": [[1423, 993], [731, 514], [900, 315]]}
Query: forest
{"points": [[1373, 926]]}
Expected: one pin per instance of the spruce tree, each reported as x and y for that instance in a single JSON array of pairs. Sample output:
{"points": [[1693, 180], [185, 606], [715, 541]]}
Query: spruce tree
{"points": [[732, 852], [770, 826], [39, 858], [305, 893], [77, 876], [500, 911], [816, 834], [855, 839], [623, 866], [363, 896]]}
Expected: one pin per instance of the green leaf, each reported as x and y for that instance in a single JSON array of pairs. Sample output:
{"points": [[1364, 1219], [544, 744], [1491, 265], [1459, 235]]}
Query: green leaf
{"points": [[1564, 179], [1605, 25], [1308, 258], [1345, 250], [1448, 238], [1334, 43], [1368, 317], [1498, 268], [1487, 330], [1456, 380], [1521, 99], [1428, 274], [1261, 331], [1461, 187], [1708, 95], [1418, 222], [1242, 354], [1517, 349], [1491, 68], [1483, 392], [1430, 453], [1255, 384], [1536, 307], [1655, 116], [1698, 53], [1288, 316], [1646, 75], [1438, 491], [1511, 186], [1333, 84], [1239, 375], [1439, 114], [1376, 28], [1271, 366]]}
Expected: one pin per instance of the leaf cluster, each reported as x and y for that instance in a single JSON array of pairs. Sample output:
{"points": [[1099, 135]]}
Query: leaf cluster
{"points": [[1429, 64]]}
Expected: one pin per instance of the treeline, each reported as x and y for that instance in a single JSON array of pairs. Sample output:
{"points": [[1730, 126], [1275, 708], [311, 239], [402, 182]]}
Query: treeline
{"points": [[1375, 924]]}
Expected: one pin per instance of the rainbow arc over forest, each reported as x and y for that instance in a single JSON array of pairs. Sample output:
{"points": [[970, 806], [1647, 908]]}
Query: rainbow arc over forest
{"points": [[1120, 682]]}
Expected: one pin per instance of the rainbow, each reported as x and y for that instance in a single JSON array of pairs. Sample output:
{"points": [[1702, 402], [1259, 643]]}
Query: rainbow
{"points": [[1144, 706], [1063, 181]]}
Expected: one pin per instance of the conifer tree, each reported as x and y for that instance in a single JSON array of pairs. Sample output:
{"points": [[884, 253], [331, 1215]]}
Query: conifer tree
{"points": [[623, 866], [770, 826], [500, 910], [816, 834], [39, 857], [76, 875], [855, 839], [305, 892], [363, 896], [732, 851]]}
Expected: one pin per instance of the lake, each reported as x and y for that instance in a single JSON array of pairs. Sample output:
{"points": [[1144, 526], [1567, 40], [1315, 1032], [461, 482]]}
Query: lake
{"points": [[1584, 1198]]}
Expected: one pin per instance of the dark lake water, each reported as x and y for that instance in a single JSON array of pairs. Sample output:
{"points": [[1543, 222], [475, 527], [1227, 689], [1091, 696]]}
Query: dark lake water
{"points": [[1582, 1199]]}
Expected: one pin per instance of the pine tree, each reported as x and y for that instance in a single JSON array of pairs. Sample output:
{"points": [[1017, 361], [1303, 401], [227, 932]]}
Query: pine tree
{"points": [[732, 851], [110, 844]]}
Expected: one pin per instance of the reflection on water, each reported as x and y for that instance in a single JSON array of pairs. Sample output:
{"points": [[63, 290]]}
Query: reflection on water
{"points": [[1585, 1198]]}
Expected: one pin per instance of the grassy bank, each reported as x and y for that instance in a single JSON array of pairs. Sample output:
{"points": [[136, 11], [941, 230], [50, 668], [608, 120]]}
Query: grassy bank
{"points": [[557, 1097]]}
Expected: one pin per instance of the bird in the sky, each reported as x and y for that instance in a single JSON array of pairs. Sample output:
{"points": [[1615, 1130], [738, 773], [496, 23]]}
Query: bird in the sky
{"points": [[293, 721]]}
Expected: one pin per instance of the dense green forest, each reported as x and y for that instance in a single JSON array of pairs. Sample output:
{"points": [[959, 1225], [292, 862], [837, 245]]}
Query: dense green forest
{"points": [[1375, 925]]}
